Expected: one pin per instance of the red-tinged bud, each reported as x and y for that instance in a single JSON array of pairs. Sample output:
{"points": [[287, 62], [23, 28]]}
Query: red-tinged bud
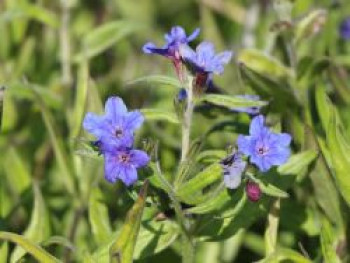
{"points": [[253, 191]]}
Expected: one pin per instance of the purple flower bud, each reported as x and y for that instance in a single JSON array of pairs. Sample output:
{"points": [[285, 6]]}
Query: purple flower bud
{"points": [[344, 29], [253, 191], [182, 95]]}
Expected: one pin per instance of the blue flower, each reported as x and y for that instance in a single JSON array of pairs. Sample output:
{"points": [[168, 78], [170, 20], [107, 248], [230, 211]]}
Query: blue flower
{"points": [[174, 40], [344, 29], [204, 59], [115, 128], [233, 167], [250, 110], [122, 164], [265, 148]]}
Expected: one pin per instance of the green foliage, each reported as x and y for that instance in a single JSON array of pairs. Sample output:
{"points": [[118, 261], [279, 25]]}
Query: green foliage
{"points": [[61, 59]]}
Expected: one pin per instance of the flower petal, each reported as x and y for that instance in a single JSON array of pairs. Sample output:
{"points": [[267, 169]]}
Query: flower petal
{"points": [[224, 57], [147, 48], [112, 168], [115, 109], [187, 53], [194, 34], [128, 174], [279, 156], [232, 181], [133, 120], [139, 158], [93, 124], [177, 33], [257, 126], [244, 144]]}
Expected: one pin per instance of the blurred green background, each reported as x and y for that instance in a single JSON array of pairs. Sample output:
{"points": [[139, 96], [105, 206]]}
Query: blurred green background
{"points": [[54, 54]]}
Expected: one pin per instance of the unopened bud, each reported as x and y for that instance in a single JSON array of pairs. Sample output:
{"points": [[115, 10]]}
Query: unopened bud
{"points": [[253, 191]]}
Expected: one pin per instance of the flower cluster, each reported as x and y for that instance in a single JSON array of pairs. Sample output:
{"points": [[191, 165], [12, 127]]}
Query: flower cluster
{"points": [[203, 62], [264, 149], [115, 138]]}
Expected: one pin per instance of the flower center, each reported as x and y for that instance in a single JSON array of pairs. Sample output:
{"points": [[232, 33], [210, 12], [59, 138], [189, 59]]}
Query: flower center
{"points": [[124, 158], [262, 150], [118, 133]]}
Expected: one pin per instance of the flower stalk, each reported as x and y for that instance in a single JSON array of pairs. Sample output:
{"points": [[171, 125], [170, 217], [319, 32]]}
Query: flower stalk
{"points": [[187, 120]]}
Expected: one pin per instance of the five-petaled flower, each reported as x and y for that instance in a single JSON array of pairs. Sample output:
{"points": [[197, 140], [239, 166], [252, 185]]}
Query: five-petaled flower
{"points": [[265, 148], [233, 167], [115, 136], [204, 62], [174, 39], [204, 59], [115, 128], [344, 29], [122, 164]]}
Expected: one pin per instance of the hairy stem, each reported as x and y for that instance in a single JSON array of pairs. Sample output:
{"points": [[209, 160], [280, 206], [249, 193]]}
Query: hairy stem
{"points": [[187, 120]]}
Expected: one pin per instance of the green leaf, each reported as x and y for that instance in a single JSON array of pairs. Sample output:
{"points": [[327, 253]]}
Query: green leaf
{"points": [[323, 105], [154, 237], [263, 64], [58, 147], [322, 180], [37, 252], [283, 9], [40, 14], [231, 101], [211, 156], [327, 243], [187, 191], [3, 252], [339, 149], [268, 188], [17, 173], [156, 80], [306, 26], [58, 240], [283, 254], [22, 91], [105, 37], [297, 163], [80, 98], [98, 217], [160, 115], [280, 91], [39, 227], [122, 249]]}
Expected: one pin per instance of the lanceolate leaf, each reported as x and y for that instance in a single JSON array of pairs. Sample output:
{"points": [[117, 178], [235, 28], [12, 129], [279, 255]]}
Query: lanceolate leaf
{"points": [[98, 217], [160, 115], [263, 64], [104, 37], [339, 150], [327, 243], [283, 254], [39, 226], [297, 162], [231, 101], [156, 80], [122, 249], [195, 185], [37, 252], [154, 237]]}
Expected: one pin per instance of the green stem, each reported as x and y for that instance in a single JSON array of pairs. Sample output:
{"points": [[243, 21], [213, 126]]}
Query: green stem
{"points": [[187, 120], [272, 228], [65, 44]]}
